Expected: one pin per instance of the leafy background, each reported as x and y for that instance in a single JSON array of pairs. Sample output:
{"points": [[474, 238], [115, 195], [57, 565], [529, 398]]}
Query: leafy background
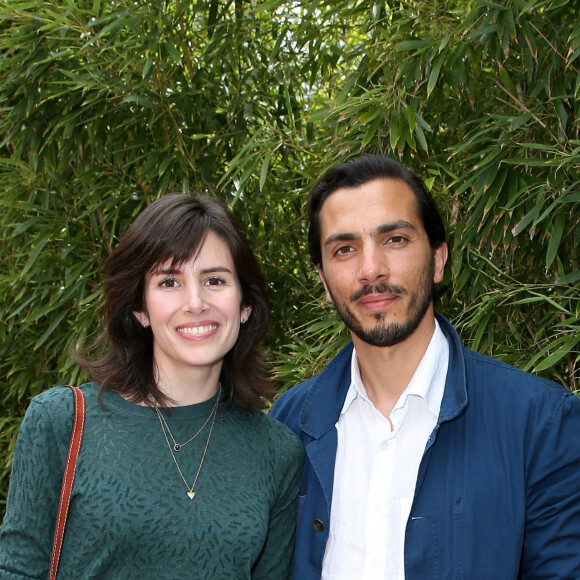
{"points": [[105, 105]]}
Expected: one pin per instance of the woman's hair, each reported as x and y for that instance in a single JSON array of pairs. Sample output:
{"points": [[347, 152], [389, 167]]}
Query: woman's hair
{"points": [[173, 228]]}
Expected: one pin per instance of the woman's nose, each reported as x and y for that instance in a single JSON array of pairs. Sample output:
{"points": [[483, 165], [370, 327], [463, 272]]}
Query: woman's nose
{"points": [[195, 299]]}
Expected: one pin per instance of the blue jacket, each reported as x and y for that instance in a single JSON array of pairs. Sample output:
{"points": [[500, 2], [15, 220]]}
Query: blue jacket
{"points": [[498, 489]]}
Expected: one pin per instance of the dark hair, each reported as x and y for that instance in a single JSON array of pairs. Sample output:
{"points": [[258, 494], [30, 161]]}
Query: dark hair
{"points": [[357, 171], [173, 228]]}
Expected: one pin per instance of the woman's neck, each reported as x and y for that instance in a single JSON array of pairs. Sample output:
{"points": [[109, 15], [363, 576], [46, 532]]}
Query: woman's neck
{"points": [[189, 388]]}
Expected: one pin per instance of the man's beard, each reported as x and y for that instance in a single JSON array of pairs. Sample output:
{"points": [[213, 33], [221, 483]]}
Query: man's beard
{"points": [[389, 333]]}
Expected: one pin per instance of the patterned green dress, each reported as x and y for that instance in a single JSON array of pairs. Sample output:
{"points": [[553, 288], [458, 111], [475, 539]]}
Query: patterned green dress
{"points": [[130, 514]]}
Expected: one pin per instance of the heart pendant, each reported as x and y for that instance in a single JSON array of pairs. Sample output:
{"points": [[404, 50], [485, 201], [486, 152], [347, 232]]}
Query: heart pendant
{"points": [[191, 494]]}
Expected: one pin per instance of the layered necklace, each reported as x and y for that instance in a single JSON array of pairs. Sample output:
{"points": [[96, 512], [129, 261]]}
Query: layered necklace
{"points": [[177, 447]]}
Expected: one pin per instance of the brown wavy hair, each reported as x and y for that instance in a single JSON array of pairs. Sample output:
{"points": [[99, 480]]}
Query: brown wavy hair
{"points": [[174, 228]]}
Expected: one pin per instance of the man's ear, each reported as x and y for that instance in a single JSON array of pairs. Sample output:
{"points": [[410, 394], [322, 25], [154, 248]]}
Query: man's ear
{"points": [[143, 318], [440, 259], [323, 280]]}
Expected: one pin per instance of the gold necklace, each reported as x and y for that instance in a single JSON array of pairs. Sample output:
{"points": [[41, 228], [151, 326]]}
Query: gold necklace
{"points": [[190, 492], [179, 446]]}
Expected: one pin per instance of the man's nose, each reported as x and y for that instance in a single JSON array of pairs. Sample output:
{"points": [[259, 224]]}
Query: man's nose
{"points": [[373, 264]]}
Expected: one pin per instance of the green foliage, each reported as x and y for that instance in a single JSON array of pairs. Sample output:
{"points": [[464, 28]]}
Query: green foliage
{"points": [[482, 100], [106, 105]]}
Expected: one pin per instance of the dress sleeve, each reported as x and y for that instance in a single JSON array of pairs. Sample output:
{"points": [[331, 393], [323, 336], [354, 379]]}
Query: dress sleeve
{"points": [[275, 561], [35, 481], [552, 534]]}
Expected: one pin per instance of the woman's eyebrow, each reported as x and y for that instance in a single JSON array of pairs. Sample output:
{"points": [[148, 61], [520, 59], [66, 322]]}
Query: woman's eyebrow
{"points": [[164, 270], [213, 269]]}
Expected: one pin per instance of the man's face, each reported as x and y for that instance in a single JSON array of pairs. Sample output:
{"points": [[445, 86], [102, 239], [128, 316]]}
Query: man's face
{"points": [[378, 267]]}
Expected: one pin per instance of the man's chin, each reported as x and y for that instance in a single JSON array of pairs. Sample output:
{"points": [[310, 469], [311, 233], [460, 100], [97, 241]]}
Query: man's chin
{"points": [[385, 334]]}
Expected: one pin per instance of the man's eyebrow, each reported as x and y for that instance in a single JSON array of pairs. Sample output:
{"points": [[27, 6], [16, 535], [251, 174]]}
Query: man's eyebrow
{"points": [[392, 226], [344, 237], [377, 231]]}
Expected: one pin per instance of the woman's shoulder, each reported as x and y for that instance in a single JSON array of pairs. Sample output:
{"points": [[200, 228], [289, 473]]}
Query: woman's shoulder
{"points": [[270, 431], [56, 403], [61, 396], [49, 416]]}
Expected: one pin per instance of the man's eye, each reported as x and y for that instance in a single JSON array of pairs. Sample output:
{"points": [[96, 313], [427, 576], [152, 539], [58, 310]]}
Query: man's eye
{"points": [[343, 250], [397, 240]]}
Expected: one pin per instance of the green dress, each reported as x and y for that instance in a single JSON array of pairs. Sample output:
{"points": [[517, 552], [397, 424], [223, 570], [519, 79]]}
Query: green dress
{"points": [[130, 514]]}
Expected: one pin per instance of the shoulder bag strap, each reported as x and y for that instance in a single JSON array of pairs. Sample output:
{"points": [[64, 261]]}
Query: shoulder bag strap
{"points": [[68, 478]]}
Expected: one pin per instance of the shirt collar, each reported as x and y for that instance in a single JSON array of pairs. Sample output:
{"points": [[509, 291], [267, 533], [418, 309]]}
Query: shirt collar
{"points": [[428, 381]]}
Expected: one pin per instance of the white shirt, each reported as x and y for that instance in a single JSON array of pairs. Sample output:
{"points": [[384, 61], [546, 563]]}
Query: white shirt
{"points": [[376, 471]]}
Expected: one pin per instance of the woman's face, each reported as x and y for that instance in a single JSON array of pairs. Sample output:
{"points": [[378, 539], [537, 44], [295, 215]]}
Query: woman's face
{"points": [[194, 311]]}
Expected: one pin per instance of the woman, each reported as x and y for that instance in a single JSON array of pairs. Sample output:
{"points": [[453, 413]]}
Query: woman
{"points": [[179, 475]]}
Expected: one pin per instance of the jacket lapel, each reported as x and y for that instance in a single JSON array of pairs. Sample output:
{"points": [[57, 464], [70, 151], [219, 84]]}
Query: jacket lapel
{"points": [[320, 413]]}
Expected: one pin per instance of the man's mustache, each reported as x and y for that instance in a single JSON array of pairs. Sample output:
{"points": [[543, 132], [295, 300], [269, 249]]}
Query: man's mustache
{"points": [[379, 288]]}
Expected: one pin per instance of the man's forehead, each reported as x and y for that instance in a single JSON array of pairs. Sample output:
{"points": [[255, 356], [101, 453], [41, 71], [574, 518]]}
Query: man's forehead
{"points": [[370, 206]]}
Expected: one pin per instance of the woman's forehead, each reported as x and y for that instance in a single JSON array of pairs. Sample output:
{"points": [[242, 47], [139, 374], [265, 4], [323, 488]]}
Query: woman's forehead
{"points": [[212, 251]]}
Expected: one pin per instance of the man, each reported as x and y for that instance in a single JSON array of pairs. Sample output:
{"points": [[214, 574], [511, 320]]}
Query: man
{"points": [[425, 460]]}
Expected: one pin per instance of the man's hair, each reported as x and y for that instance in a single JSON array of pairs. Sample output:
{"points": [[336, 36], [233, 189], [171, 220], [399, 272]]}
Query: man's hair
{"points": [[174, 228], [362, 169]]}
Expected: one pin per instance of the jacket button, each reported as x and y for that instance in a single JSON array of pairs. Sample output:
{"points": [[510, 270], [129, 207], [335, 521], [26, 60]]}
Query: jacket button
{"points": [[318, 525]]}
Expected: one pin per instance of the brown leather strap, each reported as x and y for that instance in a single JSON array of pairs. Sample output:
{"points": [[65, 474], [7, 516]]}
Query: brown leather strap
{"points": [[68, 478]]}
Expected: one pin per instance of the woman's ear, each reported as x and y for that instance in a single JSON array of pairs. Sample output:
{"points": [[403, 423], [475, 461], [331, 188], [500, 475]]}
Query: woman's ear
{"points": [[143, 319], [246, 311]]}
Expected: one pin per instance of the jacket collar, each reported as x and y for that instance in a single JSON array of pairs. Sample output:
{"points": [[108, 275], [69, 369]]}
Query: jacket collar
{"points": [[455, 394], [327, 392], [326, 395]]}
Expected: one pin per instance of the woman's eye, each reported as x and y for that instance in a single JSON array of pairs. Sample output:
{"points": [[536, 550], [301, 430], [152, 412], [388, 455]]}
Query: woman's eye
{"points": [[168, 282], [214, 281]]}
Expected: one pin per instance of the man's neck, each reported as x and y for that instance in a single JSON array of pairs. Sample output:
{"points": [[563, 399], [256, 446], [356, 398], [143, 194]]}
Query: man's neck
{"points": [[387, 370]]}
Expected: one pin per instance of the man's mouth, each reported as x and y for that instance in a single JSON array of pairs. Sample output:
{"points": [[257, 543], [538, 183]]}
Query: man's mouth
{"points": [[377, 292]]}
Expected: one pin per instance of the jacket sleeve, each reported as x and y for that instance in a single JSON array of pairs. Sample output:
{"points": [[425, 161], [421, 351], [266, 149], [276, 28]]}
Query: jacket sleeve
{"points": [[286, 409], [552, 531]]}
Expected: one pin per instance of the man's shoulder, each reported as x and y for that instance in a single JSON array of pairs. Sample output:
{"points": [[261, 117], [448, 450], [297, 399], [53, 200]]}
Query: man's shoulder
{"points": [[337, 370], [495, 376], [288, 405], [495, 379], [488, 367]]}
